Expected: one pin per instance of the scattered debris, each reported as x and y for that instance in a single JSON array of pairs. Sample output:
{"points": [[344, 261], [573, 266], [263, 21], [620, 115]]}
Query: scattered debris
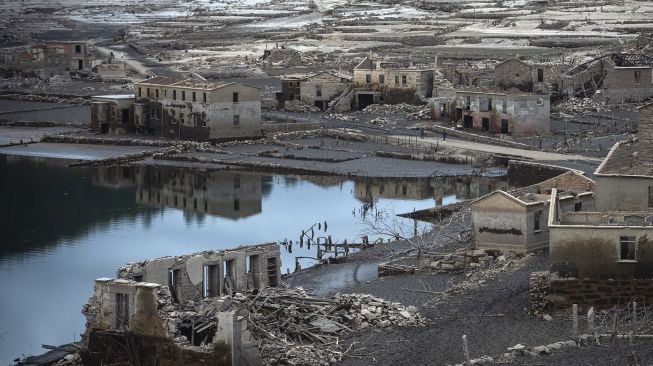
{"points": [[295, 328]]}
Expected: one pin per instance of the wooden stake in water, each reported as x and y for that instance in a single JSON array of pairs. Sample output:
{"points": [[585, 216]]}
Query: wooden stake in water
{"points": [[465, 348]]}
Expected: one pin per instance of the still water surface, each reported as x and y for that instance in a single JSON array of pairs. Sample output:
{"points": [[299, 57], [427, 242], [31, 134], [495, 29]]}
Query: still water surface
{"points": [[60, 227]]}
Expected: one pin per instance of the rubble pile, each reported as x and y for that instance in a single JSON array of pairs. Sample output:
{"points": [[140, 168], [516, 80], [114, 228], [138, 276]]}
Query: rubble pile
{"points": [[298, 106], [341, 117], [382, 121], [479, 276], [391, 108], [297, 329], [576, 105], [424, 113]]}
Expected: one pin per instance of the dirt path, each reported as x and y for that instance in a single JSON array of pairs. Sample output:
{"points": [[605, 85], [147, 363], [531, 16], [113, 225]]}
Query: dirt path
{"points": [[494, 149]]}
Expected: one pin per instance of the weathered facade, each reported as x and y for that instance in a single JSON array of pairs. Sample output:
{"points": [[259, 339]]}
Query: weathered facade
{"points": [[112, 114], [531, 76], [197, 109], [620, 243], [50, 58], [516, 221], [516, 114], [377, 82], [211, 273], [612, 78], [321, 88], [627, 78]]}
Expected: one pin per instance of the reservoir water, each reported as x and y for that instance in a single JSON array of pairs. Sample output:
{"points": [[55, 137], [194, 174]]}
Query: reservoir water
{"points": [[61, 227]]}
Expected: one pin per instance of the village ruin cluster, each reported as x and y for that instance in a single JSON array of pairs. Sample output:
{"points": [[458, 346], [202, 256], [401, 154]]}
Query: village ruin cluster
{"points": [[516, 136]]}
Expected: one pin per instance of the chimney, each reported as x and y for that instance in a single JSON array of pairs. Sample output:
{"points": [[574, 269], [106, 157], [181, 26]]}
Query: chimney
{"points": [[645, 134], [378, 64]]}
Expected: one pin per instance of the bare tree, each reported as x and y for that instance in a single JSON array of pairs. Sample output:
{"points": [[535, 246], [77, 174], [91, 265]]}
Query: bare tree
{"points": [[447, 229]]}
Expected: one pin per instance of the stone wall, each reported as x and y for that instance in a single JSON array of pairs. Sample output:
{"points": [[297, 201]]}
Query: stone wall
{"points": [[548, 292], [522, 173], [598, 293], [645, 134], [620, 85]]}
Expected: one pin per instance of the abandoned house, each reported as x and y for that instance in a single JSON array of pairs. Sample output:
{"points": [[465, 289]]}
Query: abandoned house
{"points": [[138, 323], [516, 221], [226, 194], [197, 109], [211, 273], [49, 58], [112, 113], [378, 82], [290, 89], [612, 78], [510, 113], [544, 75], [618, 235], [317, 90]]}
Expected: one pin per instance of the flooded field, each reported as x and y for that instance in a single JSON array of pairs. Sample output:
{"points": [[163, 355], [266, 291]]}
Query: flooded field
{"points": [[63, 227]]}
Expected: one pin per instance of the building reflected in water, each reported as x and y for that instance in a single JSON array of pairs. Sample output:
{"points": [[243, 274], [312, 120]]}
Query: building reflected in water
{"points": [[462, 188], [227, 194]]}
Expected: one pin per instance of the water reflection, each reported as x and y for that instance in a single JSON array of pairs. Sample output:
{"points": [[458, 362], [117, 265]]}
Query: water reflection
{"points": [[220, 193]]}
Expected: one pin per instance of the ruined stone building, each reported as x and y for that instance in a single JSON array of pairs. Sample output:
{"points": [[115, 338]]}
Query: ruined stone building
{"points": [[516, 221], [138, 323], [316, 90], [378, 82], [605, 257], [226, 194], [510, 113], [544, 75], [197, 109], [112, 114], [612, 78], [49, 58], [211, 273]]}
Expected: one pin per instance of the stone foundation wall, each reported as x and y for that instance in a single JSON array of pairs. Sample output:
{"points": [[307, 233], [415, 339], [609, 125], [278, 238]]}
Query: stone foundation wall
{"points": [[549, 292], [521, 173]]}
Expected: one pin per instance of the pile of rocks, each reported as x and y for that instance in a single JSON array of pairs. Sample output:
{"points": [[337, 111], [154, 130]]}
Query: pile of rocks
{"points": [[424, 113], [391, 108], [382, 121], [577, 105], [459, 260], [341, 117]]}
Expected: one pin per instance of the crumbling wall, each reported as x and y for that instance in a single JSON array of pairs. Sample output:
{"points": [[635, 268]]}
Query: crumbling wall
{"points": [[227, 271], [126, 324], [513, 74], [621, 84]]}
